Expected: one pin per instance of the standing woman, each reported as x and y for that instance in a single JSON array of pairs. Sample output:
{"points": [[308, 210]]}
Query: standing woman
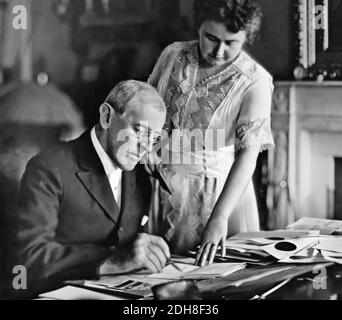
{"points": [[212, 86]]}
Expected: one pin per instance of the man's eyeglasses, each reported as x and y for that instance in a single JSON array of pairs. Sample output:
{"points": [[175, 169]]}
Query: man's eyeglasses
{"points": [[142, 133]]}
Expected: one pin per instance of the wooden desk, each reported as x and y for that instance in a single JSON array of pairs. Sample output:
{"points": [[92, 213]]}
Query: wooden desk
{"points": [[308, 283], [318, 285]]}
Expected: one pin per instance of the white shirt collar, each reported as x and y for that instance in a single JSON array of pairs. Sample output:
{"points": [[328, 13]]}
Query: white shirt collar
{"points": [[106, 161]]}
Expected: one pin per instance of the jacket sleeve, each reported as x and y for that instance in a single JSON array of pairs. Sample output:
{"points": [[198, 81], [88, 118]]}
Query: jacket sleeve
{"points": [[34, 227]]}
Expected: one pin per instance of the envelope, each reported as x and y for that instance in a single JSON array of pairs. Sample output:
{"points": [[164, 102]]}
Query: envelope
{"points": [[288, 248]]}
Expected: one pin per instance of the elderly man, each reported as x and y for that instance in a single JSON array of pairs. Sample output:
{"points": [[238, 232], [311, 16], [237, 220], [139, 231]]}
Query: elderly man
{"points": [[82, 203]]}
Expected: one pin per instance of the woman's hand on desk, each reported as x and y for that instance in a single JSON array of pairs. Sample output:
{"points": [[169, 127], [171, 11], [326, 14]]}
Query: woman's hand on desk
{"points": [[214, 235], [148, 251]]}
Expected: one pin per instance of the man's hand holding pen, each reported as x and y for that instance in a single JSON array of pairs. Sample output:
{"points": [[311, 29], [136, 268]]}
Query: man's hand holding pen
{"points": [[146, 252]]}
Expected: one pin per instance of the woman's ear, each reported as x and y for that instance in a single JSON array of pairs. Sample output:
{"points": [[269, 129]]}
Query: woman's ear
{"points": [[106, 116]]}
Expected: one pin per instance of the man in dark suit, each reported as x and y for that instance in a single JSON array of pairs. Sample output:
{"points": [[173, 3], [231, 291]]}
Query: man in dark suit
{"points": [[82, 203]]}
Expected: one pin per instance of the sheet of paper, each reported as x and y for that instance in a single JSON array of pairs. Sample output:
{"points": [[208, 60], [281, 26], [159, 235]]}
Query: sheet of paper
{"points": [[75, 293], [334, 245], [142, 282], [215, 270], [324, 225], [171, 273], [305, 257], [135, 284], [242, 245], [184, 260], [330, 256], [109, 281]]}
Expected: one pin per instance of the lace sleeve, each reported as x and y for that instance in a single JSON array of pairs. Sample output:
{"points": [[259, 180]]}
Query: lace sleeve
{"points": [[254, 133]]}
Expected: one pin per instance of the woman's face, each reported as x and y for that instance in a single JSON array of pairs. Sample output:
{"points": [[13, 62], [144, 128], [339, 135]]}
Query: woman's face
{"points": [[219, 46]]}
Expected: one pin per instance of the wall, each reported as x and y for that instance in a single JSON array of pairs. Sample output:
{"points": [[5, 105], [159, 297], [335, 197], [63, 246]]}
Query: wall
{"points": [[275, 48], [51, 47], [308, 138]]}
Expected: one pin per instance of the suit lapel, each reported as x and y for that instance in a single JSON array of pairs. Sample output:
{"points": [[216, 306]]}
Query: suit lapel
{"points": [[98, 186], [93, 177]]}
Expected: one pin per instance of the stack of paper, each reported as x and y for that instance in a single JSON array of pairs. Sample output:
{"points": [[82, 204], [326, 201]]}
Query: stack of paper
{"points": [[246, 252], [264, 248], [140, 284], [133, 286], [331, 249], [325, 226], [215, 270]]}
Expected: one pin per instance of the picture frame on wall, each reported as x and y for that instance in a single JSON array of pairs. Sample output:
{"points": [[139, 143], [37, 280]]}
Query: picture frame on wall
{"points": [[319, 35]]}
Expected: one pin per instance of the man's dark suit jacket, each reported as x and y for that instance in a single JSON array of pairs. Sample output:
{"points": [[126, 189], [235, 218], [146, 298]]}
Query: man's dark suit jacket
{"points": [[67, 217]]}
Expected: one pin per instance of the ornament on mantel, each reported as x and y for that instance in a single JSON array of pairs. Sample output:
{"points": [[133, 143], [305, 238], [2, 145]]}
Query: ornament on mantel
{"points": [[65, 9]]}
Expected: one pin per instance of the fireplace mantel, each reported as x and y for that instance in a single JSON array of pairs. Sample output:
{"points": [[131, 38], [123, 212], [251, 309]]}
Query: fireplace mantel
{"points": [[307, 128]]}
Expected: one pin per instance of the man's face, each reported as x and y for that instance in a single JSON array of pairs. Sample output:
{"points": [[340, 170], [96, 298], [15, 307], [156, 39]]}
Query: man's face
{"points": [[217, 45], [133, 134]]}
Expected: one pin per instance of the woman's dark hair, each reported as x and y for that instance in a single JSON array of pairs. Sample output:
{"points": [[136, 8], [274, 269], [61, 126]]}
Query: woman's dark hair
{"points": [[237, 15]]}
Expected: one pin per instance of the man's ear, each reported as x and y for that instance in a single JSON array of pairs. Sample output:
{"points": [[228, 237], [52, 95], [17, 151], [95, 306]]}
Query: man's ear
{"points": [[106, 116]]}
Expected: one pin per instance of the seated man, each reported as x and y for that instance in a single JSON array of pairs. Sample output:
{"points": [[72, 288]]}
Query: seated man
{"points": [[82, 203]]}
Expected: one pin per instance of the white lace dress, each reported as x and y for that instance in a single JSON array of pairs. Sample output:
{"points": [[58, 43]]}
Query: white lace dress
{"points": [[216, 109]]}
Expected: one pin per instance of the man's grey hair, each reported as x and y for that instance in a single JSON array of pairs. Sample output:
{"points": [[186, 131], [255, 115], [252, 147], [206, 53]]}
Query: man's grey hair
{"points": [[122, 97]]}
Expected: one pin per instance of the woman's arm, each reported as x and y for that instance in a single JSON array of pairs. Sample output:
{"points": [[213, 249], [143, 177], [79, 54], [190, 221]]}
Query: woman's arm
{"points": [[253, 134], [237, 182]]}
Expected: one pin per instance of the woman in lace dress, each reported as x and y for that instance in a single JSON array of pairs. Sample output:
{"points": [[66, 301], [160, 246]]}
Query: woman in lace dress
{"points": [[219, 102]]}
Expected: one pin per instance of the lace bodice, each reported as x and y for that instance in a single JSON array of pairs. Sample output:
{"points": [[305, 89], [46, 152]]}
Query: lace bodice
{"points": [[236, 100]]}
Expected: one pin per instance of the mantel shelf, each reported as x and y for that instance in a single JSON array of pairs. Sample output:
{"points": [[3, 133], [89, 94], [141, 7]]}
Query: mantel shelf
{"points": [[310, 83]]}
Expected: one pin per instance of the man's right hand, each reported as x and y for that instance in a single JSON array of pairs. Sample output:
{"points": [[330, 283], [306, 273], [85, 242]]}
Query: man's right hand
{"points": [[148, 251]]}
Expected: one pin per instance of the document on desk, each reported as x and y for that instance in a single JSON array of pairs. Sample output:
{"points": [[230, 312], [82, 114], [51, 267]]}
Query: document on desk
{"points": [[134, 286], [267, 247], [331, 249], [307, 256], [285, 249], [330, 244], [192, 272], [268, 237], [76, 293]]}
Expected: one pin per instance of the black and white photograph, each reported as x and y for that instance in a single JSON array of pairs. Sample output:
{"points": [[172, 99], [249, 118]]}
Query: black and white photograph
{"points": [[187, 151]]}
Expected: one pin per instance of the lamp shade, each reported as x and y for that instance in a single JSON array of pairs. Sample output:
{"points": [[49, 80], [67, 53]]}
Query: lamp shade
{"points": [[32, 104]]}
